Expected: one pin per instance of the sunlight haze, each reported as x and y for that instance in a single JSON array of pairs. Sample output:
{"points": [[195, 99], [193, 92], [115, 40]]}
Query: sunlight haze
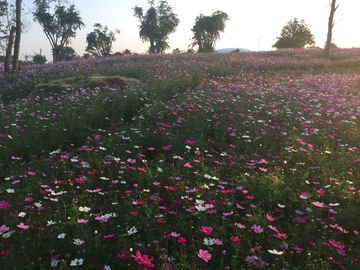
{"points": [[253, 25]]}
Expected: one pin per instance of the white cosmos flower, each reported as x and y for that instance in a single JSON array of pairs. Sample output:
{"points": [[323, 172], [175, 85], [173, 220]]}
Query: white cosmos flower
{"points": [[78, 241], [275, 252], [84, 209], [132, 230], [209, 241], [61, 235], [76, 262]]}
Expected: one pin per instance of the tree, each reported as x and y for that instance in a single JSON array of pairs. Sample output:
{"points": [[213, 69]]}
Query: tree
{"points": [[9, 49], [156, 25], [207, 31], [99, 42], [68, 54], [328, 43], [38, 58], [17, 35], [295, 34], [59, 27], [11, 27]]}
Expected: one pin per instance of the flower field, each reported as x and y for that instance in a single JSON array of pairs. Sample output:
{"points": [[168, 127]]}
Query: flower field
{"points": [[231, 161]]}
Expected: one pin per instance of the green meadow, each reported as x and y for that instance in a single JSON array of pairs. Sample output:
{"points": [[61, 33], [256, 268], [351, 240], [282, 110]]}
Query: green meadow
{"points": [[182, 161]]}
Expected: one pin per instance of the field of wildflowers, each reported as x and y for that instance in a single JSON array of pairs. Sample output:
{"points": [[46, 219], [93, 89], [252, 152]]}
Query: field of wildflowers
{"points": [[233, 161]]}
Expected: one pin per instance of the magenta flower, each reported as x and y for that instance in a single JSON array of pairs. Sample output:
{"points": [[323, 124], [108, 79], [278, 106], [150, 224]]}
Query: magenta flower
{"points": [[143, 260], [206, 229], [235, 239], [4, 204], [204, 254], [181, 240], [123, 254]]}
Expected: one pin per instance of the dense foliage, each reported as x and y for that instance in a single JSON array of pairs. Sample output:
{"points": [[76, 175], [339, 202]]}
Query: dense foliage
{"points": [[59, 27], [295, 34], [232, 161], [99, 42], [207, 31], [156, 24]]}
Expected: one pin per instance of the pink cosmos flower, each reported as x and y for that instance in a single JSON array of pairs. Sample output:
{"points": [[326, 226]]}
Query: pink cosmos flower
{"points": [[23, 226], [82, 221], [319, 204], [204, 254], [280, 235], [333, 243], [239, 225], [188, 165], [269, 218], [3, 229], [175, 234], [257, 228]]}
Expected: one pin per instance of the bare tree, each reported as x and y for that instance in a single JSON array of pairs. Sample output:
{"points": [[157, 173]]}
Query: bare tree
{"points": [[330, 27], [17, 35], [9, 50]]}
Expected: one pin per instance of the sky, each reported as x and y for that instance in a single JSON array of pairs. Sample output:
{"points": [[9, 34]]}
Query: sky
{"points": [[253, 24]]}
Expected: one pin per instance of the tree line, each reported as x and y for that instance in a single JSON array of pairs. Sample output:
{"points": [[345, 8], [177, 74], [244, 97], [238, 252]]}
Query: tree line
{"points": [[60, 24]]}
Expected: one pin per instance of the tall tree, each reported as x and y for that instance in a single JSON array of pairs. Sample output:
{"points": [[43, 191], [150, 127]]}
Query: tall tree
{"points": [[330, 27], [295, 34], [17, 35], [207, 30], [59, 27], [9, 50], [99, 42], [156, 25]]}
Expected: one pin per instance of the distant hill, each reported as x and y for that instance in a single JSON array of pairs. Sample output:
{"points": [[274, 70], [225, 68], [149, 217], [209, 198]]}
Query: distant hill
{"points": [[227, 50]]}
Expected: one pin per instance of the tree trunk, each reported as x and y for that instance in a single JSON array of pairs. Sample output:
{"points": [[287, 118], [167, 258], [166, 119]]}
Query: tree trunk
{"points": [[9, 50], [330, 27], [18, 36]]}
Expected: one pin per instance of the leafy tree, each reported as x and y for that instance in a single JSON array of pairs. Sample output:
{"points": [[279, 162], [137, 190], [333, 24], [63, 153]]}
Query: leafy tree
{"points": [[127, 52], [99, 42], [38, 58], [68, 54], [328, 43], [295, 34], [156, 25], [59, 27], [207, 30]]}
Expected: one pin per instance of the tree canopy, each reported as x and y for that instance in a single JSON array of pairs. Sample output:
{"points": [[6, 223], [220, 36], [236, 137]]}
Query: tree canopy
{"points": [[207, 30], [99, 42], [295, 34], [59, 27], [156, 24]]}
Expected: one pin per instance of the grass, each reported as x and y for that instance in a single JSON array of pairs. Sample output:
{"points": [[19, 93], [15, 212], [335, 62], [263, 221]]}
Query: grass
{"points": [[234, 161]]}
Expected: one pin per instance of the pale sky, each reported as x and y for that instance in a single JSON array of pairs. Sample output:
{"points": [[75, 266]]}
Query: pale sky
{"points": [[253, 24]]}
